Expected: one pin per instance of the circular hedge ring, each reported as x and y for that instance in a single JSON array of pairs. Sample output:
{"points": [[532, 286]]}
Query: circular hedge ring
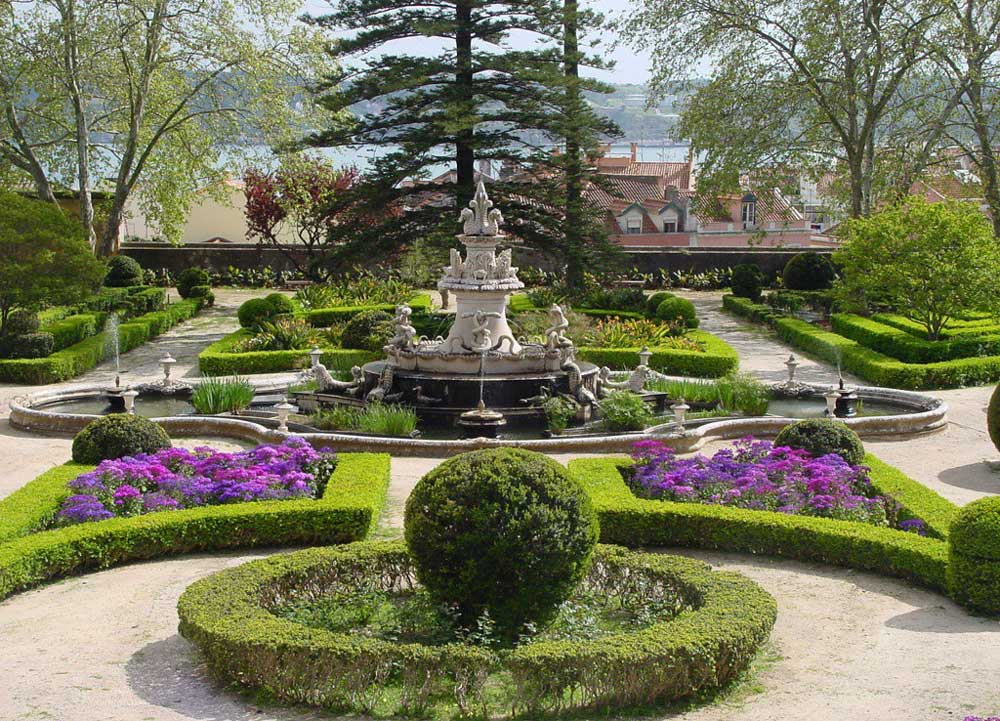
{"points": [[230, 617]]}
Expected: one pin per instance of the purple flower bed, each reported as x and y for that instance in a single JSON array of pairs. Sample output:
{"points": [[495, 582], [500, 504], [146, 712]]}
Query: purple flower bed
{"points": [[178, 478], [760, 476]]}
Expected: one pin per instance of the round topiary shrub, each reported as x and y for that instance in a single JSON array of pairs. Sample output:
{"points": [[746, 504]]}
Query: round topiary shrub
{"points": [[822, 436], [20, 322], [117, 435], [993, 417], [677, 311], [123, 272], [504, 532], [280, 304], [653, 302], [974, 556], [189, 278], [369, 330], [253, 312], [808, 271], [204, 292], [747, 281]]}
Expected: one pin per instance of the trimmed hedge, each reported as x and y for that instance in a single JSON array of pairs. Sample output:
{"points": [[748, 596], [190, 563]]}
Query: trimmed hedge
{"points": [[905, 347], [347, 512], [637, 522], [218, 359], [325, 317], [84, 355], [974, 569], [229, 617], [717, 360], [865, 363], [954, 329]]}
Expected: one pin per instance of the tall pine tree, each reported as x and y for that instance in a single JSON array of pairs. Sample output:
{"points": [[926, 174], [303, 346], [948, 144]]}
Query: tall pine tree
{"points": [[474, 100]]}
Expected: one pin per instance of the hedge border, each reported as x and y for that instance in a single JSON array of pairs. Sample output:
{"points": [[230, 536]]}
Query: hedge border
{"points": [[631, 521], [865, 363], [226, 615], [717, 360], [84, 355], [325, 317], [348, 511], [903, 346], [218, 359]]}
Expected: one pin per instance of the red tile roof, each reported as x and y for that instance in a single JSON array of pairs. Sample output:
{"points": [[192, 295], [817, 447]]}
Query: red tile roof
{"points": [[676, 174]]}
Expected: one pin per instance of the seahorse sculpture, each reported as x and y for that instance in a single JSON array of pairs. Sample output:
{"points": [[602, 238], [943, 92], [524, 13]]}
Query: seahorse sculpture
{"points": [[381, 391], [327, 383]]}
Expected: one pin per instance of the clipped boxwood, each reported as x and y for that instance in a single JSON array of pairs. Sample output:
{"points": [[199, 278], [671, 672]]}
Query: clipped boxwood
{"points": [[190, 278], [993, 417], [229, 617], [822, 436], [218, 359], [974, 555], [638, 522], [808, 270], [325, 317], [653, 302], [370, 330], [747, 281], [347, 512], [30, 345], [716, 360], [253, 312], [502, 531], [677, 310], [904, 346], [123, 271], [117, 435]]}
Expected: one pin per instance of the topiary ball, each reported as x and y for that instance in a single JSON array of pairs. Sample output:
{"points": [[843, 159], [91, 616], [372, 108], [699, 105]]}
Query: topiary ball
{"points": [[747, 281], [204, 293], [190, 278], [993, 417], [974, 556], [123, 272], [653, 302], [821, 437], [117, 435], [501, 531], [677, 311], [808, 271], [253, 312], [369, 330], [280, 304]]}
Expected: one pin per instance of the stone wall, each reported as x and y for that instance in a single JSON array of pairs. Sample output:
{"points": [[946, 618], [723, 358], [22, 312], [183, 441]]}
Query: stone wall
{"points": [[219, 256]]}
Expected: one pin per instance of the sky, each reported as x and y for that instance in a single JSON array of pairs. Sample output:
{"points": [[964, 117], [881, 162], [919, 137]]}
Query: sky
{"points": [[630, 66]]}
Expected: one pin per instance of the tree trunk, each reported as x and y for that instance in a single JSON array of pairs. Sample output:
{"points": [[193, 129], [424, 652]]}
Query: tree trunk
{"points": [[986, 163], [574, 223], [465, 160], [25, 158]]}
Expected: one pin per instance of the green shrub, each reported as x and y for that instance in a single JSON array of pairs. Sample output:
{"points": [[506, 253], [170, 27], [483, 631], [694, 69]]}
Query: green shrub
{"points": [[21, 321], [974, 556], [123, 272], [190, 278], [222, 395], [204, 292], [625, 411], [653, 302], [30, 345], [993, 418], [747, 281], [822, 436], [620, 299], [280, 304], [370, 330], [388, 420], [715, 359], [500, 531], [808, 271], [325, 317], [677, 311], [899, 344], [221, 358], [253, 312], [117, 435]]}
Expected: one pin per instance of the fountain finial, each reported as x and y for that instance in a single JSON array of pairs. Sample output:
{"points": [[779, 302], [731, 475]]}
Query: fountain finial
{"points": [[478, 218]]}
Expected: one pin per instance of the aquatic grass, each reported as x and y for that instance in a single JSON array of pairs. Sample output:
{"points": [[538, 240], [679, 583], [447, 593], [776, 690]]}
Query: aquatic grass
{"points": [[735, 393], [388, 420], [222, 395]]}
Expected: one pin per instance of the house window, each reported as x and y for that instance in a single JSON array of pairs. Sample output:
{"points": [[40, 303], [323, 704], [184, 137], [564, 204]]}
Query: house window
{"points": [[749, 214], [671, 221], [633, 225], [669, 226]]}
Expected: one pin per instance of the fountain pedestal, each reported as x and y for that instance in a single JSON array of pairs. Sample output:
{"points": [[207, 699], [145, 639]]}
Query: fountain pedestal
{"points": [[481, 423]]}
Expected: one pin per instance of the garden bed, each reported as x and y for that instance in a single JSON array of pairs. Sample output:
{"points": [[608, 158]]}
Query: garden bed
{"points": [[347, 511], [233, 617]]}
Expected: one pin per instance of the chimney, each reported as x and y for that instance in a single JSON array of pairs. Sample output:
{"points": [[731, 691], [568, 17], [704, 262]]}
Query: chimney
{"points": [[635, 148]]}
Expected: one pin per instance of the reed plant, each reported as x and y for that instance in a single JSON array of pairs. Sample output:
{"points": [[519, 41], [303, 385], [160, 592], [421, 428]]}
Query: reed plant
{"points": [[222, 395]]}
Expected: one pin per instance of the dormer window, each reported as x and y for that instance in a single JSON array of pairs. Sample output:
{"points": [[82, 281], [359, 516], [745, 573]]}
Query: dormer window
{"points": [[633, 224], [749, 212]]}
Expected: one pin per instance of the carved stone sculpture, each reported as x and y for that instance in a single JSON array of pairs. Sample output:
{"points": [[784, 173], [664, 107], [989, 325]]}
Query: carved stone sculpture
{"points": [[482, 337], [478, 218], [328, 384], [406, 334], [554, 337]]}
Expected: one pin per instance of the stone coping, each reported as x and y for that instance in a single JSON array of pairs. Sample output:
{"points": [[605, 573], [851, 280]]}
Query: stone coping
{"points": [[930, 415]]}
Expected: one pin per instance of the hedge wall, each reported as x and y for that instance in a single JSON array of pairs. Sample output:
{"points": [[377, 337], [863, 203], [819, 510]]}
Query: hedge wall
{"points": [[229, 617], [218, 358], [865, 363], [718, 358], [347, 512], [955, 329], [631, 521], [84, 355], [325, 317], [905, 347]]}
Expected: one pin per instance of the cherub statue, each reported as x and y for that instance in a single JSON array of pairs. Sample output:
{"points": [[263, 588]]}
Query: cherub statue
{"points": [[504, 269], [405, 332], [554, 335]]}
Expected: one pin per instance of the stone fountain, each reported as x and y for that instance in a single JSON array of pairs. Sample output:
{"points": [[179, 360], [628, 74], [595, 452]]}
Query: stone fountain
{"points": [[480, 374]]}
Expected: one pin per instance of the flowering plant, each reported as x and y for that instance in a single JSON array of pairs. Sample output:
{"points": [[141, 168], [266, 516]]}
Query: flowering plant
{"points": [[759, 475], [178, 478]]}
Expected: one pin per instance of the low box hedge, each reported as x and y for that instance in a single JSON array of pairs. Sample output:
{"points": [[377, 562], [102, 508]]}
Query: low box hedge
{"points": [[872, 366], [230, 617], [347, 512], [637, 522], [325, 317], [218, 359], [74, 328], [717, 360], [84, 355], [903, 346], [954, 329]]}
